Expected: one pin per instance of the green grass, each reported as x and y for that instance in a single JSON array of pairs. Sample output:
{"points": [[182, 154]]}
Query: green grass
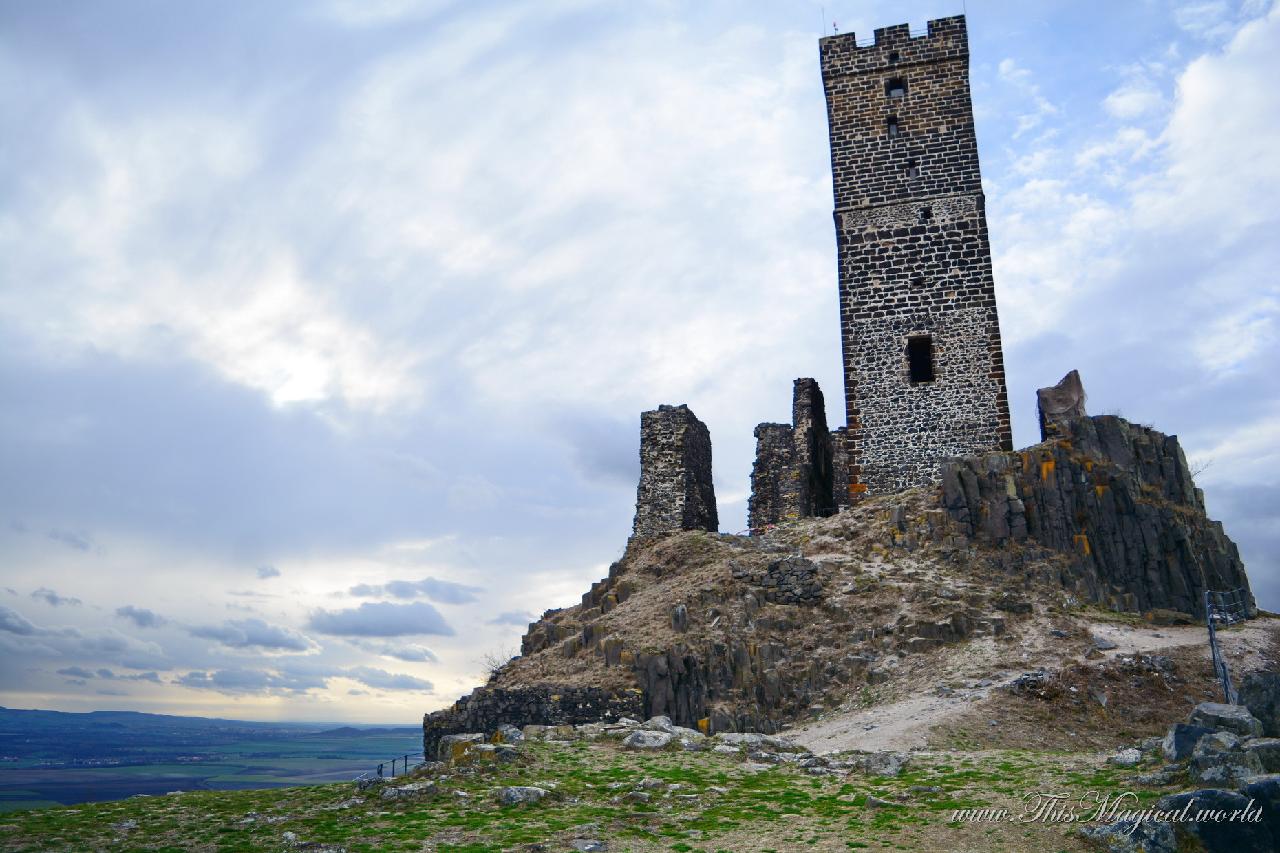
{"points": [[714, 805]]}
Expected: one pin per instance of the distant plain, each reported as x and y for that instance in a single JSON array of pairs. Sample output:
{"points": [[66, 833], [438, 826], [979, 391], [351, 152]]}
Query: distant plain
{"points": [[50, 758]]}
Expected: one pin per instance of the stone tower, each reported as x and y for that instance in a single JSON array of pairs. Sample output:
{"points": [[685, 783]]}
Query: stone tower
{"points": [[924, 372]]}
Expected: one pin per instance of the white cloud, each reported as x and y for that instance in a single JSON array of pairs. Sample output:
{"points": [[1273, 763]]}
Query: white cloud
{"points": [[400, 651], [52, 598], [1221, 139], [476, 245], [13, 622], [444, 592], [380, 679], [1232, 340], [381, 619], [1136, 98], [375, 13], [1021, 79], [117, 275], [254, 634], [141, 616], [1208, 20]]}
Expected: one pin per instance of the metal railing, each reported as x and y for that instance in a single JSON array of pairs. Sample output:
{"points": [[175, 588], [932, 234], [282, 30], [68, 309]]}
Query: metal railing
{"points": [[380, 772], [1224, 608]]}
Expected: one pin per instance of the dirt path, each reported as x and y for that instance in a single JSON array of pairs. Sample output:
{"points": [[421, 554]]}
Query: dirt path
{"points": [[905, 724], [902, 725]]}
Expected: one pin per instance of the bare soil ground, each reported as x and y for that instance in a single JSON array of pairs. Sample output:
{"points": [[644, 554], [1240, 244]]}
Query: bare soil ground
{"points": [[1120, 696]]}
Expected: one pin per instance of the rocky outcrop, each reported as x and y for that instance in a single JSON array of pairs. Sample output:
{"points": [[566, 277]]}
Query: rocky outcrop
{"points": [[1117, 498], [736, 633], [1060, 404]]}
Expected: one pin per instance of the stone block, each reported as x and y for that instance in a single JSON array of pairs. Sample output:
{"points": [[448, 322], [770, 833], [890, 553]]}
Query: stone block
{"points": [[1260, 693], [1228, 718], [1267, 749], [1224, 836], [453, 748], [644, 739], [1181, 740]]}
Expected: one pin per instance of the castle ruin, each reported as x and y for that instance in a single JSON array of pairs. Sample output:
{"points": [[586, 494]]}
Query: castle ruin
{"points": [[676, 491], [793, 473], [923, 367], [733, 633]]}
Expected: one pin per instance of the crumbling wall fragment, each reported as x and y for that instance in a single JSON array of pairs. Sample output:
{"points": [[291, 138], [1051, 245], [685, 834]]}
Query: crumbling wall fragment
{"points": [[793, 476], [676, 491]]}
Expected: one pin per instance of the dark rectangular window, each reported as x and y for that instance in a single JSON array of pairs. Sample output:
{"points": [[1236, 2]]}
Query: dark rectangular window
{"points": [[891, 125], [926, 213], [912, 169], [920, 358], [895, 88]]}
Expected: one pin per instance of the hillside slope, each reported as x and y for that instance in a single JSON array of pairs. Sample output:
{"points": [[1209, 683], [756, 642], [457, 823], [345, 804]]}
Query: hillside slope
{"points": [[995, 570]]}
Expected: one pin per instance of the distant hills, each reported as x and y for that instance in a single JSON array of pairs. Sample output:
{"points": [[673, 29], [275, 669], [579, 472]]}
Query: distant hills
{"points": [[21, 720], [50, 757]]}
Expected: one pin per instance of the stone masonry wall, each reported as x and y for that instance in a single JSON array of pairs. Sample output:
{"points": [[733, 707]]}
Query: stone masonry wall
{"points": [[913, 257], [676, 491], [775, 461], [483, 710], [840, 493], [813, 448], [793, 474], [1118, 498]]}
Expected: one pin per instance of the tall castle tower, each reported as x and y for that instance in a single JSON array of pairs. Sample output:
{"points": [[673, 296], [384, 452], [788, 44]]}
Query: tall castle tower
{"points": [[923, 367]]}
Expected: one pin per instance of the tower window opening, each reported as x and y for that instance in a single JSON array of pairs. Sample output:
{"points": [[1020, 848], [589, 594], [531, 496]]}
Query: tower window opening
{"points": [[893, 56], [926, 213], [912, 169], [891, 125], [895, 88], [920, 358]]}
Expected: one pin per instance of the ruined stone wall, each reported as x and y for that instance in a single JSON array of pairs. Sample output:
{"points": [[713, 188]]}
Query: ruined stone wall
{"points": [[913, 257], [1118, 498], [793, 473], [841, 493], [484, 709], [775, 458], [676, 491], [812, 449]]}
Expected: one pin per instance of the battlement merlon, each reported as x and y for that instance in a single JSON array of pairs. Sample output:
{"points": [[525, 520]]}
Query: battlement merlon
{"points": [[947, 39]]}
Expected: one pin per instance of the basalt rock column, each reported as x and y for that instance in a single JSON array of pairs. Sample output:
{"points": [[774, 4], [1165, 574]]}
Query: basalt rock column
{"points": [[676, 491]]}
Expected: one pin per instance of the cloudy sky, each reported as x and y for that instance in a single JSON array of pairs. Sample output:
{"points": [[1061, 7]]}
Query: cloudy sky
{"points": [[325, 327]]}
